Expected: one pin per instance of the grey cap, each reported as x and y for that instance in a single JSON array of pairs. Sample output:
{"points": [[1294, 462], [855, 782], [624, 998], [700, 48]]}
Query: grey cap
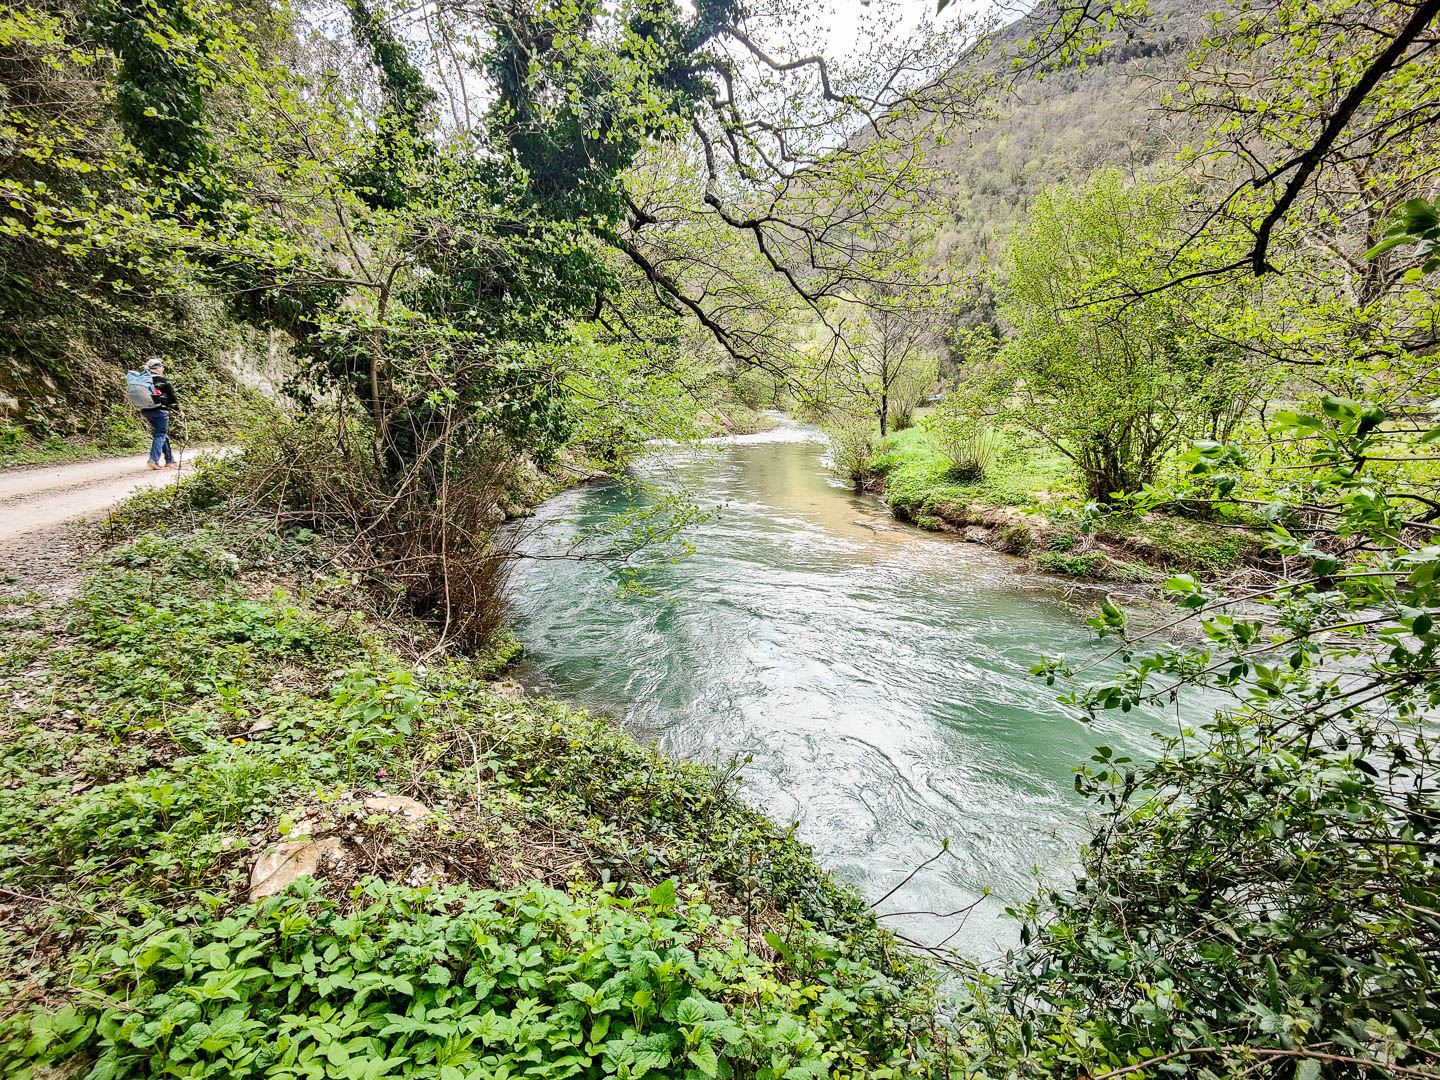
{"points": [[153, 363]]}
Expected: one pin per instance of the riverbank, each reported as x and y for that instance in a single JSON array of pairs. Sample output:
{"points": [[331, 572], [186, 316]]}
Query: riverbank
{"points": [[1019, 509], [481, 881]]}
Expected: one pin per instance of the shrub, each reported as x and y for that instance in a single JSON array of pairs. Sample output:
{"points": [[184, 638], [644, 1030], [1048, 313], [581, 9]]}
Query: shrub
{"points": [[209, 483], [122, 431], [852, 445], [1090, 564], [432, 545], [959, 428], [1113, 381]]}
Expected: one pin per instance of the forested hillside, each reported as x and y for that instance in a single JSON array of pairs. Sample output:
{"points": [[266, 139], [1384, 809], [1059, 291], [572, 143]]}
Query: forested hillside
{"points": [[74, 317], [1057, 124]]}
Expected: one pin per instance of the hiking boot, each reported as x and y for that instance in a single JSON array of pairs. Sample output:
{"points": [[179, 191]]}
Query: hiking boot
{"points": [[152, 465]]}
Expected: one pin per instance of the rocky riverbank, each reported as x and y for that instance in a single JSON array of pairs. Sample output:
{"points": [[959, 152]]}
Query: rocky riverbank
{"points": [[1027, 514]]}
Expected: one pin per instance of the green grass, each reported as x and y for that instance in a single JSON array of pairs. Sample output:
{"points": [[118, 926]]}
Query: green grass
{"points": [[18, 448], [917, 476], [581, 905]]}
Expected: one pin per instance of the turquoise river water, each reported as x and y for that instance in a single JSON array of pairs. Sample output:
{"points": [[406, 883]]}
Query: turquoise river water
{"points": [[876, 676]]}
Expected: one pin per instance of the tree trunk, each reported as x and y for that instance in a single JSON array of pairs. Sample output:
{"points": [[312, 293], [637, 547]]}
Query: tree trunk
{"points": [[884, 412]]}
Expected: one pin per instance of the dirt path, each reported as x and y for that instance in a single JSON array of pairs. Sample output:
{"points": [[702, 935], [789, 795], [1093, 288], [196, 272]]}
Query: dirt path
{"points": [[37, 499]]}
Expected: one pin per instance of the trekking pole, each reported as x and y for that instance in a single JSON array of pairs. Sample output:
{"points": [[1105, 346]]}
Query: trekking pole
{"points": [[179, 447]]}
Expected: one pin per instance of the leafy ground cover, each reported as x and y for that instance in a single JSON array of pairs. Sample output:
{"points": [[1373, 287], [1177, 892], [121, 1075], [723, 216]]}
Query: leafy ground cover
{"points": [[18, 447], [573, 905]]}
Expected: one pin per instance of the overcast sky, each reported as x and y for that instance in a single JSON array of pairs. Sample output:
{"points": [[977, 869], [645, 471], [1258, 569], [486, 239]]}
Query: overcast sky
{"points": [[848, 22]]}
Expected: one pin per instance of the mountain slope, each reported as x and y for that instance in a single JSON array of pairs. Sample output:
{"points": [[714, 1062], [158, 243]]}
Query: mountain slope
{"points": [[1061, 127]]}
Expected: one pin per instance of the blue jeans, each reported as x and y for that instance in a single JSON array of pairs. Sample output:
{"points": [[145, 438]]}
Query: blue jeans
{"points": [[159, 421]]}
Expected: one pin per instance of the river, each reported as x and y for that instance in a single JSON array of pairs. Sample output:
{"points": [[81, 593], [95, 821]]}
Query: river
{"points": [[875, 676]]}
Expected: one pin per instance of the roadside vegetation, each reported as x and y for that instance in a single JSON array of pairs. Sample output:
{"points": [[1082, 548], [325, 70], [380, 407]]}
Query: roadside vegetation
{"points": [[18, 447], [215, 411]]}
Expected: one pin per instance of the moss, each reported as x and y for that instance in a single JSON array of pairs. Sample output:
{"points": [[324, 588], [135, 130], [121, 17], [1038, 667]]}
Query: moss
{"points": [[1016, 539], [504, 654], [1179, 543]]}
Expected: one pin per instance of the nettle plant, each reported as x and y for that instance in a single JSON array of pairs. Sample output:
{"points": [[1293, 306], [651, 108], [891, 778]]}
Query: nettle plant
{"points": [[457, 984]]}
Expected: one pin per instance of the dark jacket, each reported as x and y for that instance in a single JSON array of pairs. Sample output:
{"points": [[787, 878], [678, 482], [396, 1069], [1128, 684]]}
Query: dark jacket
{"points": [[164, 393]]}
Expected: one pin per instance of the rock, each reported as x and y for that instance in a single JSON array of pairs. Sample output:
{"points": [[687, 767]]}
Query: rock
{"points": [[410, 811], [508, 688], [976, 534], [260, 726], [281, 864]]}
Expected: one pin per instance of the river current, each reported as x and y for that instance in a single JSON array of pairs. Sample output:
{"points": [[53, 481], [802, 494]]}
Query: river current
{"points": [[875, 676]]}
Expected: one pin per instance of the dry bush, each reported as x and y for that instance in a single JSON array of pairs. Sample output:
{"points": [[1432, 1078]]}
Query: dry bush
{"points": [[425, 536]]}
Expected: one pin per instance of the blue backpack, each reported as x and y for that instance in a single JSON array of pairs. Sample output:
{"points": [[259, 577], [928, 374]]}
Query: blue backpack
{"points": [[140, 389]]}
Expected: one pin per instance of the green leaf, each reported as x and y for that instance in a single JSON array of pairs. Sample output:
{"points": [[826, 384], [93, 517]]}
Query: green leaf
{"points": [[776, 942], [1385, 245], [691, 1011], [663, 896], [705, 1059]]}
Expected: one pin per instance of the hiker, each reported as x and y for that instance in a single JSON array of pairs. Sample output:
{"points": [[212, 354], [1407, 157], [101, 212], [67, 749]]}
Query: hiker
{"points": [[158, 415]]}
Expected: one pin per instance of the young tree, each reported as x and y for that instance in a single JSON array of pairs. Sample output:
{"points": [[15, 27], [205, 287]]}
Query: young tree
{"points": [[891, 362], [1114, 383]]}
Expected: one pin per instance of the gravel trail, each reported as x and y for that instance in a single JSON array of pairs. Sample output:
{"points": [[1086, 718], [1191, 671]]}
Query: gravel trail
{"points": [[36, 499]]}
